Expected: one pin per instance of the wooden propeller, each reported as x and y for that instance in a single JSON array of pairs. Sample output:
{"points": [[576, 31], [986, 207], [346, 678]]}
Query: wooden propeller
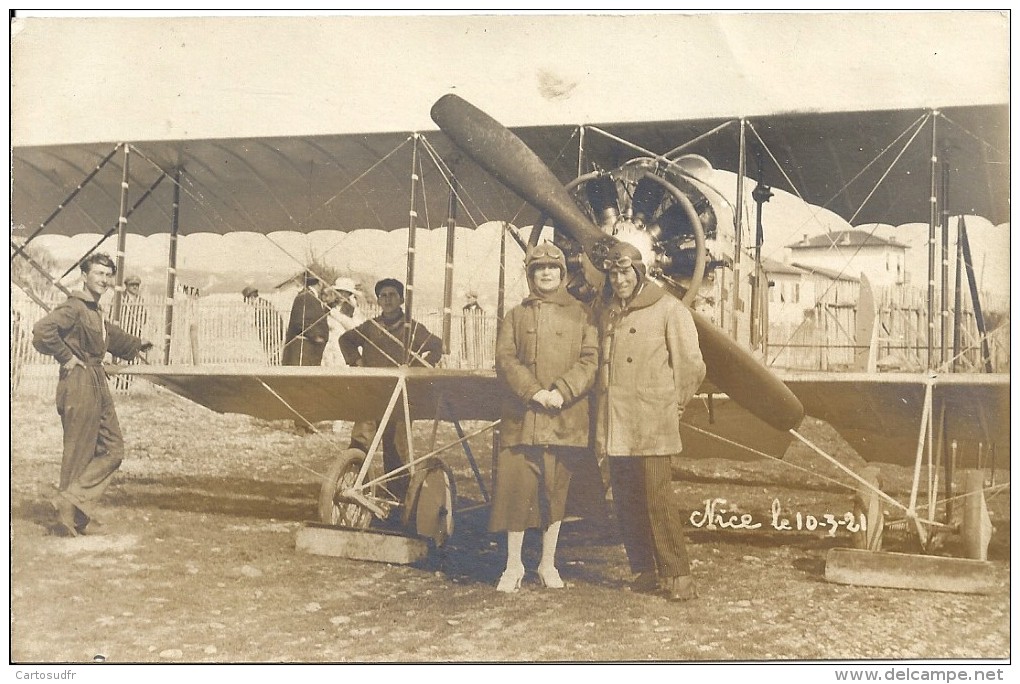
{"points": [[731, 368]]}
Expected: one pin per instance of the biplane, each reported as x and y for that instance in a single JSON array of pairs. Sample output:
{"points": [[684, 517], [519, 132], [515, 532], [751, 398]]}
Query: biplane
{"points": [[650, 184]]}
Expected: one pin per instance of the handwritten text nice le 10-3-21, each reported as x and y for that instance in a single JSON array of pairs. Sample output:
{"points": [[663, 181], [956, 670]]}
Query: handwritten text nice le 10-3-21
{"points": [[714, 516]]}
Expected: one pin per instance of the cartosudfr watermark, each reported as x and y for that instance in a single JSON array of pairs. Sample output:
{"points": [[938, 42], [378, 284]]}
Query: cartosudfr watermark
{"points": [[35, 674]]}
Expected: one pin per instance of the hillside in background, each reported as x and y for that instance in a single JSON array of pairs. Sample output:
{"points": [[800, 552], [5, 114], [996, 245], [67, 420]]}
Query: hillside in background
{"points": [[228, 263]]}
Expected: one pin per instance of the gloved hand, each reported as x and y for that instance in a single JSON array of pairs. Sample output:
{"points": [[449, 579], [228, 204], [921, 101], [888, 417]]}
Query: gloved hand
{"points": [[146, 346], [549, 399], [554, 400], [540, 397]]}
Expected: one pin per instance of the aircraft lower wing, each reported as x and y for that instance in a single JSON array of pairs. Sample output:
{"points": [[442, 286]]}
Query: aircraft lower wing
{"points": [[327, 393], [318, 394], [880, 415]]}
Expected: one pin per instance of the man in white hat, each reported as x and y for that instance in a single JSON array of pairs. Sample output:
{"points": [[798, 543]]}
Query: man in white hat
{"points": [[344, 315]]}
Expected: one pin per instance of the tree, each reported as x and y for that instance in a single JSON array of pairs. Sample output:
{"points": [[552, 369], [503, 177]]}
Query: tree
{"points": [[26, 276]]}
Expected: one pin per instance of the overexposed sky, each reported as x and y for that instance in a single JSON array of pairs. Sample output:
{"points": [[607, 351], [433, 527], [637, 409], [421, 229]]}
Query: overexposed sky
{"points": [[90, 79], [79, 79]]}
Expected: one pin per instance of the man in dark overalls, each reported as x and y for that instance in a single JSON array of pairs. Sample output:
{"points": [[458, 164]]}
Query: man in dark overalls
{"points": [[78, 337]]}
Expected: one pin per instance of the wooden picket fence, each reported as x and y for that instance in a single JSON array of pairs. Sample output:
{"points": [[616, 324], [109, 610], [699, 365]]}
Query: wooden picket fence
{"points": [[220, 330], [213, 330], [826, 339]]}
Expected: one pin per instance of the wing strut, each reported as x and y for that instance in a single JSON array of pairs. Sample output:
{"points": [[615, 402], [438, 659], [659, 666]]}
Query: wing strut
{"points": [[113, 230], [60, 207], [467, 450]]}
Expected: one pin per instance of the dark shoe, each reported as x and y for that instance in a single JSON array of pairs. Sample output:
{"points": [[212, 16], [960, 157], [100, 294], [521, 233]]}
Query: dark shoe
{"points": [[83, 509], [645, 583], [681, 588], [65, 516], [81, 521]]}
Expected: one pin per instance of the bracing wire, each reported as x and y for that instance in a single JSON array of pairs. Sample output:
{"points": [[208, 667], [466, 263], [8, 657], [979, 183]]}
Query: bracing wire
{"points": [[355, 181], [820, 298], [889, 170]]}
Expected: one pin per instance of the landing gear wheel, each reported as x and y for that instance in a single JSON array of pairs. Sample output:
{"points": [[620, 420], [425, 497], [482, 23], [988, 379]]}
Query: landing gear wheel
{"points": [[976, 527], [334, 508], [428, 508], [868, 507]]}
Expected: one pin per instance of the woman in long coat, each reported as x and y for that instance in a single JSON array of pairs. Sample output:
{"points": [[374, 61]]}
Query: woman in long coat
{"points": [[547, 355]]}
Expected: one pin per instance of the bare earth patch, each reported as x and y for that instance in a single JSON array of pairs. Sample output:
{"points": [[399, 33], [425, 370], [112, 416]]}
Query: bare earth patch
{"points": [[196, 563]]}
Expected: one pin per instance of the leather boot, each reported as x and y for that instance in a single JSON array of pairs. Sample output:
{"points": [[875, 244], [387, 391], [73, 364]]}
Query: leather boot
{"points": [[81, 521], [65, 516], [645, 583], [681, 588]]}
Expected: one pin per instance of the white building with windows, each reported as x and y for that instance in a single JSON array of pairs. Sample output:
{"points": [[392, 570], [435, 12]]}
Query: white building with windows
{"points": [[789, 292], [851, 253]]}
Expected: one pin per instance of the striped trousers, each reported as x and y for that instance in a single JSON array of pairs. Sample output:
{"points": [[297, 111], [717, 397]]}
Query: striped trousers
{"points": [[649, 516]]}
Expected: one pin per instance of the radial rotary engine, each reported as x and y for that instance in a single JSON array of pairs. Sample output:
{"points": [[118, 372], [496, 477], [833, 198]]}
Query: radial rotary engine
{"points": [[661, 207]]}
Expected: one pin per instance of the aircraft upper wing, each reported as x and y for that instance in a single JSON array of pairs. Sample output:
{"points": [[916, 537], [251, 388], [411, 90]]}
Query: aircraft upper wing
{"points": [[261, 185], [347, 182], [317, 393]]}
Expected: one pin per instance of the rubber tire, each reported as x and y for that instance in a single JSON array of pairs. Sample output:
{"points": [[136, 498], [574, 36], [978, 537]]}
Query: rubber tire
{"points": [[430, 513], [341, 475]]}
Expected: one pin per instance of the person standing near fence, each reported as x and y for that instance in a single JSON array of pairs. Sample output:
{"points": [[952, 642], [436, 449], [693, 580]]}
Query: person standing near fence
{"points": [[268, 323], [133, 319], [379, 343], [77, 335], [307, 330], [344, 315], [472, 324], [546, 356]]}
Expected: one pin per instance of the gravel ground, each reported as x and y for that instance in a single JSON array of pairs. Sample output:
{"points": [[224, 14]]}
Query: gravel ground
{"points": [[196, 563]]}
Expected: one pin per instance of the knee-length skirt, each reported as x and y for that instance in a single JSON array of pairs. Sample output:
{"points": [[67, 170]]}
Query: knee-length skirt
{"points": [[532, 483]]}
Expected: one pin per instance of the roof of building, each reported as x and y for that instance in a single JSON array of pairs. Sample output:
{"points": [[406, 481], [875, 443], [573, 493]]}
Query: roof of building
{"points": [[845, 238], [773, 267], [830, 273]]}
